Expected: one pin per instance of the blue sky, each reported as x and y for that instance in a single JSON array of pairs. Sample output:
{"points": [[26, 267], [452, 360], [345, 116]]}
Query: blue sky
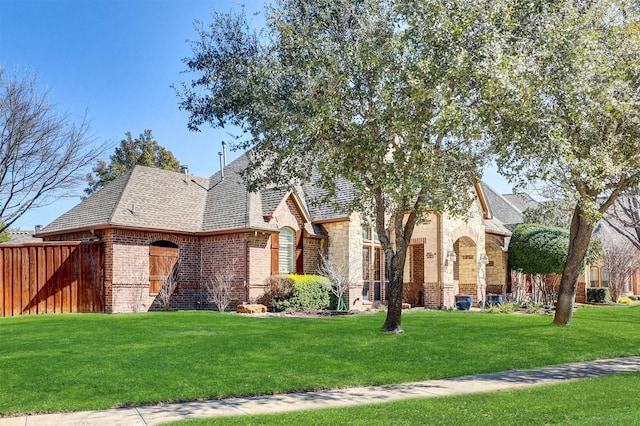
{"points": [[115, 61]]}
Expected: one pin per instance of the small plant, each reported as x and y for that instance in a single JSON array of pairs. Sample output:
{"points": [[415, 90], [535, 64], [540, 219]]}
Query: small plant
{"points": [[625, 299], [535, 308], [507, 308], [493, 309], [502, 308]]}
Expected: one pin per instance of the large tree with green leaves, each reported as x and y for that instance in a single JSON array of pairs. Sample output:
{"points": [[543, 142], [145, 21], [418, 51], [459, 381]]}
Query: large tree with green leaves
{"points": [[566, 82], [142, 151], [381, 93]]}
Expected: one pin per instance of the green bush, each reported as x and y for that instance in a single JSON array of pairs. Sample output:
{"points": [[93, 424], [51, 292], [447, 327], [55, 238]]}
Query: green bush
{"points": [[280, 289], [598, 295], [308, 293], [538, 249]]}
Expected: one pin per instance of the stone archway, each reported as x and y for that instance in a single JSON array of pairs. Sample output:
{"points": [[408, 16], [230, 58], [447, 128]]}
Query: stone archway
{"points": [[465, 267]]}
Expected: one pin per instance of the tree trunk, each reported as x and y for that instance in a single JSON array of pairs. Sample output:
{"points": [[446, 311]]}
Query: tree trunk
{"points": [[579, 239], [392, 323]]}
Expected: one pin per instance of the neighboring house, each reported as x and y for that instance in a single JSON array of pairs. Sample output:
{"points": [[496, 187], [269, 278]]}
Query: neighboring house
{"points": [[21, 236], [152, 222], [510, 208], [622, 258]]}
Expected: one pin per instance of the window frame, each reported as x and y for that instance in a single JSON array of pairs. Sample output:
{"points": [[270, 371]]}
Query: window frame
{"points": [[287, 251]]}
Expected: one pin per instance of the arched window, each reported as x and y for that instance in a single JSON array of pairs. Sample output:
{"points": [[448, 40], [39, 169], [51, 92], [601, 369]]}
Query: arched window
{"points": [[287, 251]]}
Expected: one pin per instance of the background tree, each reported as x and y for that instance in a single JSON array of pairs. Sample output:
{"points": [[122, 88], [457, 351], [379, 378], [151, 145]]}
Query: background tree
{"points": [[624, 216], [567, 91], [44, 155], [362, 90], [4, 236], [142, 151], [621, 258]]}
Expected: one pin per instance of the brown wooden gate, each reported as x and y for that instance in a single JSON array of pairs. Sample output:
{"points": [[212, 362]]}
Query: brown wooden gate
{"points": [[51, 277], [162, 261]]}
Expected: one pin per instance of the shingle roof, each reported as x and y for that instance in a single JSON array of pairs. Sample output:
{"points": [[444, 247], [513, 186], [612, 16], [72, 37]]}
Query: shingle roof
{"points": [[141, 198], [508, 214], [154, 199], [521, 201], [20, 236], [148, 198], [323, 211]]}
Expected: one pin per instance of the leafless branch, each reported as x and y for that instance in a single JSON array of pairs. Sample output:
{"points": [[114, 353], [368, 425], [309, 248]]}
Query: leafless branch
{"points": [[43, 155]]}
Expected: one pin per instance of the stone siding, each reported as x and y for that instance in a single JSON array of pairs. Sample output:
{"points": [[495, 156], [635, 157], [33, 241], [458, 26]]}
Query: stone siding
{"points": [[345, 248]]}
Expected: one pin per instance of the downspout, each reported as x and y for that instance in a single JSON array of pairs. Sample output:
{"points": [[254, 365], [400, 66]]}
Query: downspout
{"points": [[246, 272], [440, 253], [200, 284]]}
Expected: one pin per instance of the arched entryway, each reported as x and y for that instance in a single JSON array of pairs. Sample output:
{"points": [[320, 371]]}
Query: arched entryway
{"points": [[163, 260], [465, 267]]}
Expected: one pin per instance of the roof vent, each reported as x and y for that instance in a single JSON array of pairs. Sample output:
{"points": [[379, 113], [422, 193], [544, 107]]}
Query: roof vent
{"points": [[185, 169], [38, 228]]}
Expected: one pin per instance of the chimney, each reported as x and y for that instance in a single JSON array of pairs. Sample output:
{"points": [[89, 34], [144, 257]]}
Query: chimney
{"points": [[224, 154], [221, 167]]}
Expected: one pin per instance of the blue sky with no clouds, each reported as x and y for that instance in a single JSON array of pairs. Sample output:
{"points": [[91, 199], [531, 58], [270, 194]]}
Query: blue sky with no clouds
{"points": [[115, 61]]}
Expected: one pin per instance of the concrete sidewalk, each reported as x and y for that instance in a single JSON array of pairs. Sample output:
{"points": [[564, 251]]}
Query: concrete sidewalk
{"points": [[155, 414]]}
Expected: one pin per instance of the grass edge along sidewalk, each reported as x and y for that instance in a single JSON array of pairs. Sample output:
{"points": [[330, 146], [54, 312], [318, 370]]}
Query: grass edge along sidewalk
{"points": [[343, 398]]}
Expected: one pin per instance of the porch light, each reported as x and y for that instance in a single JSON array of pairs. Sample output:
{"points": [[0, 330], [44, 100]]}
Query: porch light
{"points": [[452, 256], [483, 258]]}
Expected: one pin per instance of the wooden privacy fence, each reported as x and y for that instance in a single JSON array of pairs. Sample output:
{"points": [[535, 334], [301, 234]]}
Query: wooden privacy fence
{"points": [[39, 278]]}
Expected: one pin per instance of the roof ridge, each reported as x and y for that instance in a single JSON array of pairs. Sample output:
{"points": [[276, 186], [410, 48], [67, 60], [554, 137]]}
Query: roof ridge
{"points": [[125, 189], [495, 191]]}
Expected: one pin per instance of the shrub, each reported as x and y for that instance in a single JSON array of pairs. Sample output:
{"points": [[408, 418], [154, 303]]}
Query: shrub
{"points": [[280, 289], [308, 293], [598, 294], [534, 308], [625, 300]]}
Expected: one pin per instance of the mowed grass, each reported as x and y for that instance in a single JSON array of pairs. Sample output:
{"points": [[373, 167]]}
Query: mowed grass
{"points": [[92, 361], [604, 401]]}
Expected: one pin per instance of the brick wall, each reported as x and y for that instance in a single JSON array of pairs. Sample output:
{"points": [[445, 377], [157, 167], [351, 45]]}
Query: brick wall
{"points": [[432, 295], [313, 249]]}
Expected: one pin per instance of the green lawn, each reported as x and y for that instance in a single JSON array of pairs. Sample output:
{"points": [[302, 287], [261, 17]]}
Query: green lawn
{"points": [[91, 361], [602, 401]]}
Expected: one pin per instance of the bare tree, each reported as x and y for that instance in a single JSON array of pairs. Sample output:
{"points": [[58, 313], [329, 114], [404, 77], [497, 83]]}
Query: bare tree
{"points": [[519, 286], [219, 287], [545, 290], [168, 288], [43, 154], [338, 275], [621, 258], [624, 216]]}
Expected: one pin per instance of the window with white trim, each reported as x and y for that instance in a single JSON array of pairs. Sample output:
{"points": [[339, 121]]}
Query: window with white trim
{"points": [[287, 251]]}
